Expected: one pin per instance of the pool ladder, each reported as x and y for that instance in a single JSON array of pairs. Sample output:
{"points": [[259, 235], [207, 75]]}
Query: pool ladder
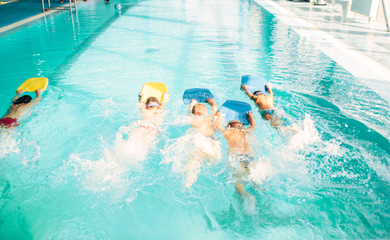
{"points": [[48, 4], [74, 3]]}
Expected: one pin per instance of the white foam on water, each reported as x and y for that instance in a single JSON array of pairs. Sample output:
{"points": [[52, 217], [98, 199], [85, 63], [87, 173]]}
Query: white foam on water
{"points": [[305, 136], [110, 173], [9, 142], [261, 171], [133, 142], [104, 175], [189, 153]]}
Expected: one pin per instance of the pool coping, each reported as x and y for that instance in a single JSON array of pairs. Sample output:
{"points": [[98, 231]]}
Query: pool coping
{"points": [[374, 74], [33, 18]]}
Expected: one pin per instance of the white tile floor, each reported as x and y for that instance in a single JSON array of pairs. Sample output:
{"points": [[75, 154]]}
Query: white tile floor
{"points": [[360, 46], [356, 31]]}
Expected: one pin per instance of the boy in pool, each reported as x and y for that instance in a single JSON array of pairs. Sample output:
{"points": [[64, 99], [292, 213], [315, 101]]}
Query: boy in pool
{"points": [[241, 155], [19, 105], [265, 104], [152, 113], [267, 108], [204, 143], [201, 120], [141, 134]]}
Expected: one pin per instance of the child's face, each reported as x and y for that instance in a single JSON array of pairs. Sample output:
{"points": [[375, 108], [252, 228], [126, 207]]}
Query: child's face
{"points": [[199, 110]]}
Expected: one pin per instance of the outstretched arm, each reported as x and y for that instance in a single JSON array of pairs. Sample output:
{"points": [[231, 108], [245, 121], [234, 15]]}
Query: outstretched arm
{"points": [[140, 97], [218, 123], [18, 93], [251, 121], [213, 105], [271, 93], [192, 104], [38, 93], [165, 99], [250, 95]]}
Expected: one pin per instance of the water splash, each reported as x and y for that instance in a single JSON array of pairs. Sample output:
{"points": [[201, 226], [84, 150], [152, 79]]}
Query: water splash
{"points": [[190, 152], [111, 173], [9, 142], [261, 171], [306, 136]]}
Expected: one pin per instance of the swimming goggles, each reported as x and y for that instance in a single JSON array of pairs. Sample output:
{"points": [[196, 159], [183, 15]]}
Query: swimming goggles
{"points": [[153, 104]]}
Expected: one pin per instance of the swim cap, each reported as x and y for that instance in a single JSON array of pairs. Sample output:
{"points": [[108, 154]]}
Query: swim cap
{"points": [[22, 99]]}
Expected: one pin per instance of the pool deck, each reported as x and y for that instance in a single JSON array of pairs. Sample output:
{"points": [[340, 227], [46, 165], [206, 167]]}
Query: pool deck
{"points": [[360, 46], [354, 30], [18, 12]]}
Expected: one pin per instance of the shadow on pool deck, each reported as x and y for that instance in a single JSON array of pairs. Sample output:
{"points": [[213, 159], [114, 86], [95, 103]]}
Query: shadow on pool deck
{"points": [[18, 10]]}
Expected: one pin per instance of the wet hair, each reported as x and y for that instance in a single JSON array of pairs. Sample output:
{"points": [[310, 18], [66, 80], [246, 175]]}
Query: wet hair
{"points": [[23, 99], [198, 106], [258, 92], [152, 99], [234, 124]]}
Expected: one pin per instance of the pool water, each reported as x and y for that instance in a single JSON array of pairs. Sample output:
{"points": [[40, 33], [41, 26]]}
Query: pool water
{"points": [[66, 173]]}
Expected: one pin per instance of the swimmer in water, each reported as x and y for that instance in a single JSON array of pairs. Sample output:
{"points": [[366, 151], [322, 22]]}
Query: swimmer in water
{"points": [[267, 108], [204, 145], [153, 116], [142, 133], [241, 155], [201, 120], [18, 107]]}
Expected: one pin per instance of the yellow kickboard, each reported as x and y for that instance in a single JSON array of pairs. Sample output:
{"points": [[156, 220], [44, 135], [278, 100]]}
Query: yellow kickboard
{"points": [[32, 84], [153, 89]]}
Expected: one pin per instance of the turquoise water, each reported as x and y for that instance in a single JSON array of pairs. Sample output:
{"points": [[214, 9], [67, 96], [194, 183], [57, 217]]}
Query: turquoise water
{"points": [[64, 175]]}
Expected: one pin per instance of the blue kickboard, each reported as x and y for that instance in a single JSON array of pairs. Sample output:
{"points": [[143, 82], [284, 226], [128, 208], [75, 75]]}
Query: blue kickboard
{"points": [[236, 110], [254, 83], [199, 94]]}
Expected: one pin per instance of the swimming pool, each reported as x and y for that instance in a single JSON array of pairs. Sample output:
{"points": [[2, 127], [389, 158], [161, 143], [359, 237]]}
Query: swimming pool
{"points": [[59, 182]]}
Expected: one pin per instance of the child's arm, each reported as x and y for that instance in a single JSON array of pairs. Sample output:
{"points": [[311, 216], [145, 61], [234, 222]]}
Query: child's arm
{"points": [[38, 93], [250, 95], [271, 93], [213, 105], [165, 99], [218, 123], [192, 104], [140, 97], [251, 121], [20, 92]]}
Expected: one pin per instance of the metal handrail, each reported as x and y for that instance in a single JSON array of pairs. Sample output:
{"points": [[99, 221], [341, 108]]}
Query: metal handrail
{"points": [[48, 3], [386, 11]]}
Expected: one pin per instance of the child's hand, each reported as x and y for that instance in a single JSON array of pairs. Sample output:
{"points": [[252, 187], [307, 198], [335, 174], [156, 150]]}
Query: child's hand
{"points": [[165, 97], [243, 87], [210, 101], [20, 91], [193, 102], [251, 120], [38, 91], [270, 86]]}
